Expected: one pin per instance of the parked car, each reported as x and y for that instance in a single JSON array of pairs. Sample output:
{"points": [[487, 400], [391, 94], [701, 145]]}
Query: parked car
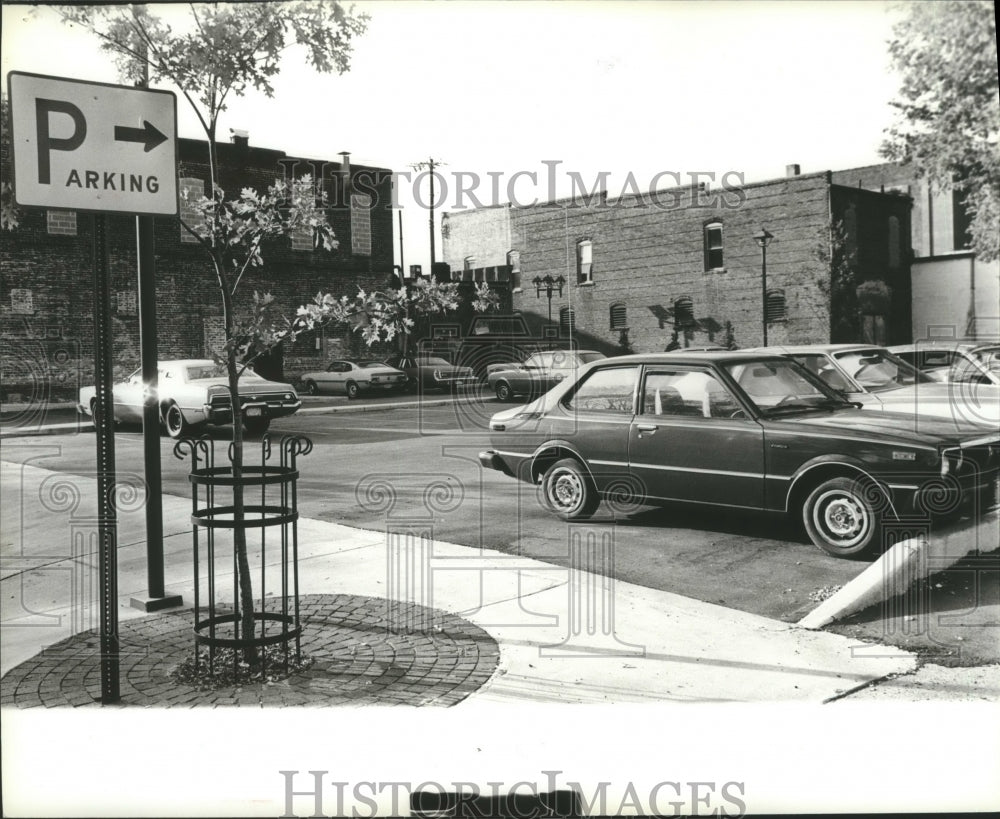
{"points": [[880, 380], [353, 378], [965, 362], [192, 392], [738, 429], [539, 372], [432, 372]]}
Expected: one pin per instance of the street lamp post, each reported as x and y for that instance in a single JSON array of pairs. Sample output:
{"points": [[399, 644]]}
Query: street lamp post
{"points": [[547, 283], [763, 239]]}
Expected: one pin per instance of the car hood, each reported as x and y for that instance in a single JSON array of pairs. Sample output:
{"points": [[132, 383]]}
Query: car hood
{"points": [[888, 426], [949, 400]]}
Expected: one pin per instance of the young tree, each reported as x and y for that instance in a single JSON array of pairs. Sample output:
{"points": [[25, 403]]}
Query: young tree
{"points": [[948, 122], [227, 50]]}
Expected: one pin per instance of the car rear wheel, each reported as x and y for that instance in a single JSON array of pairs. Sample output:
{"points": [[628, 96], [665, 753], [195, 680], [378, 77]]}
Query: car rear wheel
{"points": [[841, 518], [352, 390], [568, 490], [310, 388], [503, 391], [173, 420]]}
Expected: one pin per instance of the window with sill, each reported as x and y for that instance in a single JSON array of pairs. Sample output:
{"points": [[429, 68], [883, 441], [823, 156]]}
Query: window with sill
{"points": [[713, 246], [584, 262], [619, 316]]}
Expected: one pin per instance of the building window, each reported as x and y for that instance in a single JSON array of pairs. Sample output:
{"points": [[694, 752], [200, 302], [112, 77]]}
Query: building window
{"points": [[713, 246], [192, 190], [61, 222], [683, 312], [961, 221], [567, 320], [514, 260], [584, 262], [894, 249], [776, 305], [619, 316], [361, 224]]}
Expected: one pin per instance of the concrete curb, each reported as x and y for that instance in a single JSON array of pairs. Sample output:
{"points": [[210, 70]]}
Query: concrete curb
{"points": [[907, 562]]}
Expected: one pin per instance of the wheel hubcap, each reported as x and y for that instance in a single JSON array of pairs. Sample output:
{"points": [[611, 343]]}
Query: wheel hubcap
{"points": [[566, 490], [843, 518]]}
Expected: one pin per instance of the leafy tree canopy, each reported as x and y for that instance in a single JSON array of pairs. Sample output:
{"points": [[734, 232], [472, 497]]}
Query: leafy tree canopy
{"points": [[948, 122]]}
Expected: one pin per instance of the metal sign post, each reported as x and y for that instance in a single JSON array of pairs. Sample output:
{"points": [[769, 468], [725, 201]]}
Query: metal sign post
{"points": [[106, 149], [104, 424]]}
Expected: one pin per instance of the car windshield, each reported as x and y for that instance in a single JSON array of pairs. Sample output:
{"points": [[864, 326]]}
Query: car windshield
{"points": [[433, 362], [778, 387], [367, 365], [879, 370], [989, 357]]}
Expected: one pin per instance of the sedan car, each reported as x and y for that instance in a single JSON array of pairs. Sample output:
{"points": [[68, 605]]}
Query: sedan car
{"points": [[192, 392], [739, 430], [965, 362], [539, 373], [433, 372], [353, 378], [880, 380]]}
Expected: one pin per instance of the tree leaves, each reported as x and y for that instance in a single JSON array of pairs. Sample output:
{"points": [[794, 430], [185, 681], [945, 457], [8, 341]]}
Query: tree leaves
{"points": [[948, 122]]}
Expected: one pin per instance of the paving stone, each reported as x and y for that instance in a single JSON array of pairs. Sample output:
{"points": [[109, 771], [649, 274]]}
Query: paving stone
{"points": [[362, 656]]}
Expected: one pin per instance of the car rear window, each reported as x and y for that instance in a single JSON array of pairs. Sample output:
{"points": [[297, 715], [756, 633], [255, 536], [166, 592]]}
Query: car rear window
{"points": [[610, 390]]}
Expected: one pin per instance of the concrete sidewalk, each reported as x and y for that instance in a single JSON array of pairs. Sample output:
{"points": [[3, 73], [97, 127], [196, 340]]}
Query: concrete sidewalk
{"points": [[564, 634]]}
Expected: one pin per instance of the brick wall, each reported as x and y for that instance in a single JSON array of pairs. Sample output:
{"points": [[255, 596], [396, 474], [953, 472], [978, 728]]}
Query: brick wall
{"points": [[46, 277], [645, 257]]}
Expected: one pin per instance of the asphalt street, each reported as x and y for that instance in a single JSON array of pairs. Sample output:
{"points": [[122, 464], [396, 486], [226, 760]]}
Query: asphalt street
{"points": [[389, 463]]}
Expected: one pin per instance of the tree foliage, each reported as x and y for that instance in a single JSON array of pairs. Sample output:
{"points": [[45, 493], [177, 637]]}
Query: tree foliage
{"points": [[948, 122]]}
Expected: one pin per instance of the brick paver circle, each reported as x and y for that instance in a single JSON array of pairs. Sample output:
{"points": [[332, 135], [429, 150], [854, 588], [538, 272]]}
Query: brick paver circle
{"points": [[366, 651]]}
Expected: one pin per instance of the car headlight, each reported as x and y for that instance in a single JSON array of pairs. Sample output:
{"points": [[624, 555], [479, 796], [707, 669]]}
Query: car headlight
{"points": [[437, 375], [289, 396], [951, 461]]}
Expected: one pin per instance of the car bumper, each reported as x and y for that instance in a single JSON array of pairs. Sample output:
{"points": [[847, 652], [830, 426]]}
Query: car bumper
{"points": [[492, 460], [251, 409]]}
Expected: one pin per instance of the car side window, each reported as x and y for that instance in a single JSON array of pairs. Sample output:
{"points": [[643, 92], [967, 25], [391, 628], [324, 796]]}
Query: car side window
{"points": [[687, 393], [610, 390]]}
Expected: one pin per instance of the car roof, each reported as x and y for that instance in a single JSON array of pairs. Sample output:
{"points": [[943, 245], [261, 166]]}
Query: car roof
{"points": [[943, 344], [784, 349], [697, 357]]}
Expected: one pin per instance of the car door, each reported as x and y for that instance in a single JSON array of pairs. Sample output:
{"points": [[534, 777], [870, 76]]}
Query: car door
{"points": [[334, 377], [595, 419], [692, 440], [128, 398]]}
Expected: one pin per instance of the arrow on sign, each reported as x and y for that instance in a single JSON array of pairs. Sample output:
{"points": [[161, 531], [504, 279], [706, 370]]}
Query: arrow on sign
{"points": [[147, 134]]}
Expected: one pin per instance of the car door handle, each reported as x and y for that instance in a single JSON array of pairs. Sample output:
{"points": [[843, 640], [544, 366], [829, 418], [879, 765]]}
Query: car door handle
{"points": [[646, 428]]}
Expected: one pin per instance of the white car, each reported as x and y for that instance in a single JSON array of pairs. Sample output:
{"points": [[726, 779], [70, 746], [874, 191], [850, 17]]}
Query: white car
{"points": [[879, 380], [193, 392], [353, 378], [968, 362]]}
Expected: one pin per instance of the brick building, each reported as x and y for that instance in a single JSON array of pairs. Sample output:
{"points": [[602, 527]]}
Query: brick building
{"points": [[955, 294], [46, 289], [682, 265]]}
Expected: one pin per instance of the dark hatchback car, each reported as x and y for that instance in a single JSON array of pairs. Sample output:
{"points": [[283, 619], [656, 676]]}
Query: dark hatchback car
{"points": [[745, 430]]}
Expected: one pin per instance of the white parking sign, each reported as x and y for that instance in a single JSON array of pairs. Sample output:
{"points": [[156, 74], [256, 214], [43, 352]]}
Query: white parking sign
{"points": [[92, 146]]}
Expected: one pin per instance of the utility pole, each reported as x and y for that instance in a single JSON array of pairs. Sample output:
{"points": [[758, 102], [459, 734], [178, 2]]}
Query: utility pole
{"points": [[429, 165]]}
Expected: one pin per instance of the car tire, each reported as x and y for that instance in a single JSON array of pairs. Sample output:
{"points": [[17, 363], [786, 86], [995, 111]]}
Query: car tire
{"points": [[352, 390], [173, 421], [568, 490], [94, 411], [310, 388], [503, 391], [842, 518]]}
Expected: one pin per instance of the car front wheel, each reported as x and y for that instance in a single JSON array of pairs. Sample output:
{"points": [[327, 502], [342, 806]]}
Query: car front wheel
{"points": [[352, 390], [503, 391], [841, 518], [310, 388], [568, 490]]}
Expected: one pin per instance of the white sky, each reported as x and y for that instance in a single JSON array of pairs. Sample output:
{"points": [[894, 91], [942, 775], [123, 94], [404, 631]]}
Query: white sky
{"points": [[640, 87]]}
